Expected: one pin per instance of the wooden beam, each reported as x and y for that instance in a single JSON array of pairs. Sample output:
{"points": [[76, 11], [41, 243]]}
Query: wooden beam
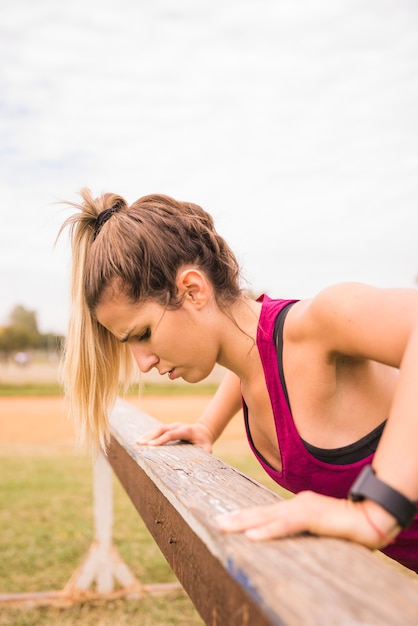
{"points": [[178, 489]]}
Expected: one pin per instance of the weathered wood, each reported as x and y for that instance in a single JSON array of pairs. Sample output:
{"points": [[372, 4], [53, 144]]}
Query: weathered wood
{"points": [[178, 489]]}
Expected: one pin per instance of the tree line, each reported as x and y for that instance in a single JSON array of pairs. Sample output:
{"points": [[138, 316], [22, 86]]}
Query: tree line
{"points": [[21, 334]]}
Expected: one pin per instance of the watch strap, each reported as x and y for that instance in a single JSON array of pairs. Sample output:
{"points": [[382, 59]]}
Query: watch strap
{"points": [[367, 485]]}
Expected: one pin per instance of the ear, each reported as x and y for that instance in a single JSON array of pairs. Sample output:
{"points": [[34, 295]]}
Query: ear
{"points": [[193, 286]]}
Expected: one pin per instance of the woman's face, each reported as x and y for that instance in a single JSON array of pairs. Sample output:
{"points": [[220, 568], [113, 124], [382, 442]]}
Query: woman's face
{"points": [[176, 342]]}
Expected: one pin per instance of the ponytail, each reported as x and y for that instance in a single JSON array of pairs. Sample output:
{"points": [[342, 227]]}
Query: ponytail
{"points": [[94, 362]]}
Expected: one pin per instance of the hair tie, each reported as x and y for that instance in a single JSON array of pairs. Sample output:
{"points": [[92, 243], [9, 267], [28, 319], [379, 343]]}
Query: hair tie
{"points": [[102, 218]]}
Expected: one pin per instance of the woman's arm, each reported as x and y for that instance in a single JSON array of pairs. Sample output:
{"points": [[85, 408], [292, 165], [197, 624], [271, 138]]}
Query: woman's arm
{"points": [[225, 403], [396, 459], [363, 322], [382, 325]]}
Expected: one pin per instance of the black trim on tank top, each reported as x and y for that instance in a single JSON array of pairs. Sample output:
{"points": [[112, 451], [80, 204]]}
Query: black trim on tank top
{"points": [[351, 453]]}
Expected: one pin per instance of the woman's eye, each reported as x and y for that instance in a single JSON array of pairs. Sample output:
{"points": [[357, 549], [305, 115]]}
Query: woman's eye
{"points": [[145, 335]]}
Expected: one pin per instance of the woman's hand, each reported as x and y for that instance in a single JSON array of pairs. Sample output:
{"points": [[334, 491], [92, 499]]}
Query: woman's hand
{"points": [[221, 409], [197, 433], [363, 522]]}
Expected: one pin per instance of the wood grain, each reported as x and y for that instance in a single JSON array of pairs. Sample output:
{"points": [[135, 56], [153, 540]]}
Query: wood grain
{"points": [[178, 490]]}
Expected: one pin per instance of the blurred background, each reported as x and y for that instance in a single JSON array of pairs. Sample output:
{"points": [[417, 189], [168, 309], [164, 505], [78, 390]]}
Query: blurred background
{"points": [[293, 123]]}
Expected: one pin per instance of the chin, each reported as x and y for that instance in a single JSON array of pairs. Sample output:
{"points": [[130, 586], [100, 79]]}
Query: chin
{"points": [[194, 377]]}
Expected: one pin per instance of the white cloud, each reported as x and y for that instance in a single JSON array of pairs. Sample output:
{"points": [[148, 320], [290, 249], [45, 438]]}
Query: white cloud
{"points": [[294, 123]]}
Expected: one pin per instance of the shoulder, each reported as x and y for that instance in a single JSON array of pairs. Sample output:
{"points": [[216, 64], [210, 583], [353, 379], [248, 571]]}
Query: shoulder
{"points": [[352, 301], [358, 319], [309, 315]]}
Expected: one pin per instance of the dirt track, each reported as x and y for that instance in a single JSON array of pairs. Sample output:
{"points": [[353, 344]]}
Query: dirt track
{"points": [[44, 420]]}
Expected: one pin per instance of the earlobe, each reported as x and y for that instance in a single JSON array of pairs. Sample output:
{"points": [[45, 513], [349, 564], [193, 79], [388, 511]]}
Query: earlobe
{"points": [[193, 285]]}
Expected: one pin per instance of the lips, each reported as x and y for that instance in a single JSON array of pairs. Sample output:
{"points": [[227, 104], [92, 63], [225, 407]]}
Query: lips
{"points": [[169, 373]]}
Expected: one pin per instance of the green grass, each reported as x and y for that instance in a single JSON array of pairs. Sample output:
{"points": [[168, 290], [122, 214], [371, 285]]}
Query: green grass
{"points": [[173, 389], [147, 389], [154, 611], [46, 522], [30, 390]]}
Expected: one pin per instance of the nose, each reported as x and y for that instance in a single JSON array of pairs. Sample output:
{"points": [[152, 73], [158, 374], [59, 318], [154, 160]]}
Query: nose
{"points": [[145, 360]]}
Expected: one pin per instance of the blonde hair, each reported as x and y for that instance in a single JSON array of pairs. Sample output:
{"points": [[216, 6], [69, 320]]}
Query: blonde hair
{"points": [[139, 248]]}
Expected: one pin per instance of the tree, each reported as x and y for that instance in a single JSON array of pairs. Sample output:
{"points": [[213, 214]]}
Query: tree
{"points": [[22, 334], [13, 339], [23, 319]]}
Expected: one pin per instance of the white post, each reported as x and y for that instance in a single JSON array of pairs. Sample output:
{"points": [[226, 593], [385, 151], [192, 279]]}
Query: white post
{"points": [[103, 563], [103, 522]]}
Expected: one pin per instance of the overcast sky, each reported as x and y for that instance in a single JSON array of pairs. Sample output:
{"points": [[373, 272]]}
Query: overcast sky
{"points": [[294, 123]]}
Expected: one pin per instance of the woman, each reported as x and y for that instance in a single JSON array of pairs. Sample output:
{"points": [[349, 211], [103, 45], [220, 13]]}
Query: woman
{"points": [[327, 385]]}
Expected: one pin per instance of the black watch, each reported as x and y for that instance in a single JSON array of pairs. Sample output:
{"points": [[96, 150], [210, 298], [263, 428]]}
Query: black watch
{"points": [[368, 486]]}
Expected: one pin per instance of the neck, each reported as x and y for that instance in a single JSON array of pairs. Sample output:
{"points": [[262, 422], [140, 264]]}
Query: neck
{"points": [[238, 338]]}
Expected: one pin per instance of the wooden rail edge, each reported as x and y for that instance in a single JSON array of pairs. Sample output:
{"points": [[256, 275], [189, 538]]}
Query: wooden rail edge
{"points": [[178, 489]]}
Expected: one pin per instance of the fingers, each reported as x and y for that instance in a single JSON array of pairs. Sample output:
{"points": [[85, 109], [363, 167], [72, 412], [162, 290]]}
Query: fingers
{"points": [[316, 514], [163, 434], [266, 522], [194, 433], [240, 521], [306, 512]]}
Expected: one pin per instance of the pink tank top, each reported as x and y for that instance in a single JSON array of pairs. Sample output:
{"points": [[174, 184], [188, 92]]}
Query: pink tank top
{"points": [[300, 470]]}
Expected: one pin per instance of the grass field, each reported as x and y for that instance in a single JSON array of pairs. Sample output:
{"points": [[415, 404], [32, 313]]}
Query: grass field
{"points": [[46, 514], [46, 521]]}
